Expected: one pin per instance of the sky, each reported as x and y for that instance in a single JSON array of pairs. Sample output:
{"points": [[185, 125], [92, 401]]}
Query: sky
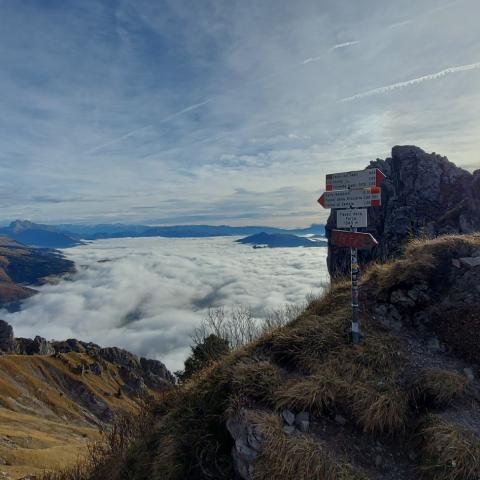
{"points": [[223, 111], [159, 291]]}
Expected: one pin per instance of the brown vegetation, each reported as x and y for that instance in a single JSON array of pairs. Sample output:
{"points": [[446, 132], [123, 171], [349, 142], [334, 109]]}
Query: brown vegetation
{"points": [[310, 365]]}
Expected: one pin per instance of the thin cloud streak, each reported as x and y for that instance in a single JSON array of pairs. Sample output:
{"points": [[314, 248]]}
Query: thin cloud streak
{"points": [[413, 81], [344, 45], [113, 141]]}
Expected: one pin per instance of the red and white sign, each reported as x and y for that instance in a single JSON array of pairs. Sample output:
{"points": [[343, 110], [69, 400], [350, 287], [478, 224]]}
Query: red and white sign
{"points": [[354, 217], [371, 177], [360, 240], [370, 197]]}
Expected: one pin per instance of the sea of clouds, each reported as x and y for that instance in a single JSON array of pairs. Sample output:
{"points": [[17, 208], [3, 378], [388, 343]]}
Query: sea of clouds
{"points": [[148, 294]]}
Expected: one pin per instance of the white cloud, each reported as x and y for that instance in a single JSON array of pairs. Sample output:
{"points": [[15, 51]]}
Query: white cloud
{"points": [[151, 293]]}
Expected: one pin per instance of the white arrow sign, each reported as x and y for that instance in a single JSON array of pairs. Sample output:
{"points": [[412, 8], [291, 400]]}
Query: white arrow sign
{"points": [[352, 218], [351, 198], [371, 177]]}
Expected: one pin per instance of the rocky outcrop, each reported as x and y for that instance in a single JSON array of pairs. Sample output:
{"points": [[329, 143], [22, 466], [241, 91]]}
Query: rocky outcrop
{"points": [[37, 346], [7, 340], [248, 443], [423, 195], [136, 373]]}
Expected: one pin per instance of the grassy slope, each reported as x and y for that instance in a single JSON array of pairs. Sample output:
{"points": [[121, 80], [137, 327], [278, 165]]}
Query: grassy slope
{"points": [[43, 423], [386, 397]]}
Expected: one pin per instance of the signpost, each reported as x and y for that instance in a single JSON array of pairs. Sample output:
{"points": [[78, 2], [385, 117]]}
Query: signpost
{"points": [[352, 192], [371, 177], [360, 241], [352, 198], [355, 217]]}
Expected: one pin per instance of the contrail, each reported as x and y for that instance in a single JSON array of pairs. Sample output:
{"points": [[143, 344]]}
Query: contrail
{"points": [[116, 140], [185, 110], [413, 81], [146, 127], [344, 45], [428, 12]]}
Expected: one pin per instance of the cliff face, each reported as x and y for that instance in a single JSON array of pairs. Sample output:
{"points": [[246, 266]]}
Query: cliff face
{"points": [[423, 195]]}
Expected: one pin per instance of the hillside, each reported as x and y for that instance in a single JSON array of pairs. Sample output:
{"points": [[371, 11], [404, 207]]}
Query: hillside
{"points": [[37, 235], [21, 265], [303, 403], [55, 396]]}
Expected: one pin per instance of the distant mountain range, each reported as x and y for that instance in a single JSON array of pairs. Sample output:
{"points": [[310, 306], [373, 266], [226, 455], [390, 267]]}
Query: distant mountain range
{"points": [[69, 235], [278, 240]]}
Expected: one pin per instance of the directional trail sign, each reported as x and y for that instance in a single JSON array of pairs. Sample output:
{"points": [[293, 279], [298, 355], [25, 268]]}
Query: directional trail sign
{"points": [[367, 197], [355, 217], [350, 193], [344, 238], [371, 177]]}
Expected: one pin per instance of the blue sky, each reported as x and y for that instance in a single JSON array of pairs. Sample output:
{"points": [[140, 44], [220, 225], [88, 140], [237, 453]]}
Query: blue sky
{"points": [[216, 111]]}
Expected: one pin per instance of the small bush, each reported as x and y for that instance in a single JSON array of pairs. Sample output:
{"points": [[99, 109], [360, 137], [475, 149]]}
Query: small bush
{"points": [[204, 354]]}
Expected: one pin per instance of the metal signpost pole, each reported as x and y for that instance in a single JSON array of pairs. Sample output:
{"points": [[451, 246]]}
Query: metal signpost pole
{"points": [[355, 308]]}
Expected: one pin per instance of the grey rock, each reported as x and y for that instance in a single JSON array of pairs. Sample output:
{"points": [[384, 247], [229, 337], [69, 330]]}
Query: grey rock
{"points": [[434, 345], [7, 340], [289, 417], [248, 444], [289, 429], [340, 419], [37, 346], [470, 262], [469, 374], [456, 263], [302, 421], [378, 460], [401, 299]]}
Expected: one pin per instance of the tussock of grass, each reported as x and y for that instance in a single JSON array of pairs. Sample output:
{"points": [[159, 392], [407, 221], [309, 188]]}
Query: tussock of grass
{"points": [[450, 452], [256, 381], [306, 346], [296, 456], [315, 394], [440, 387], [380, 410]]}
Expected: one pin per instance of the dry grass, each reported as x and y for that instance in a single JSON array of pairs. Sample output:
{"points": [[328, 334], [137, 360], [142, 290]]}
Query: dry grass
{"points": [[296, 456], [256, 381], [423, 260], [105, 457], [440, 387], [450, 452]]}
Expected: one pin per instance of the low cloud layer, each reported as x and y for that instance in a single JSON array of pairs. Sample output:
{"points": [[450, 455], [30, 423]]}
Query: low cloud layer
{"points": [[147, 295]]}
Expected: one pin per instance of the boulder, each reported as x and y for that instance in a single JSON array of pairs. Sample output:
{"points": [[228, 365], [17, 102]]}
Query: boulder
{"points": [[248, 444]]}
